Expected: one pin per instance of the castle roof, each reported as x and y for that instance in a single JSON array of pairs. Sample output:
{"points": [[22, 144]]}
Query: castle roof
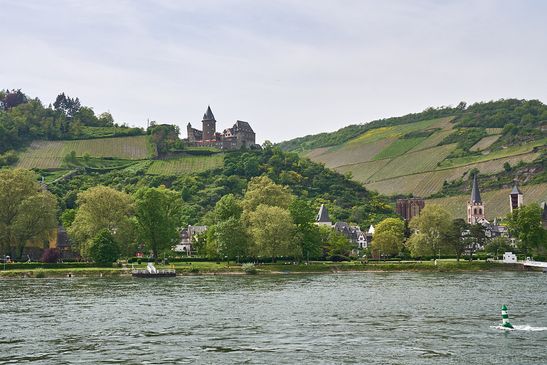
{"points": [[516, 189], [208, 114], [475, 193], [243, 126], [323, 215]]}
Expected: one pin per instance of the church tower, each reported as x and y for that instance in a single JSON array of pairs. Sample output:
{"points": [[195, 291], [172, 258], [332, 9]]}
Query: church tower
{"points": [[516, 197], [209, 125], [475, 207]]}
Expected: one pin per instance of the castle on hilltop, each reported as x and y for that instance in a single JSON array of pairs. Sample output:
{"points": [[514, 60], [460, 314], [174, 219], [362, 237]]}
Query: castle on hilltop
{"points": [[241, 135]]}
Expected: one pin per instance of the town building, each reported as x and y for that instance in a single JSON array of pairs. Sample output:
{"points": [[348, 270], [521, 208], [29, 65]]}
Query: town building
{"points": [[188, 238], [475, 207], [353, 233], [409, 208], [241, 135], [322, 218], [516, 198]]}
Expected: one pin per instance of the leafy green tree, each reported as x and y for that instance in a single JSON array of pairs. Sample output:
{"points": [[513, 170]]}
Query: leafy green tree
{"points": [[27, 211], [231, 239], [307, 235], [271, 229], [476, 239], [103, 248], [389, 236], [227, 207], [157, 213], [455, 237], [498, 245], [432, 224], [262, 190], [100, 208], [525, 224], [335, 243]]}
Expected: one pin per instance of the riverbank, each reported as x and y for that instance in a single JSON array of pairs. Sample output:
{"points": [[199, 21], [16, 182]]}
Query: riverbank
{"points": [[213, 268]]}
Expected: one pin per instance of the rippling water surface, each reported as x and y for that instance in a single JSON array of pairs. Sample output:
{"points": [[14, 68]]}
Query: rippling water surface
{"points": [[375, 318]]}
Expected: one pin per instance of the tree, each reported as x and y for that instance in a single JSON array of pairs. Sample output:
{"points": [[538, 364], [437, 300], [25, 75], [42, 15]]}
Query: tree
{"points": [[525, 223], [307, 235], [100, 208], [103, 248], [476, 239], [231, 239], [432, 223], [389, 236], [335, 243], [262, 190], [157, 213], [498, 245], [27, 211], [271, 229], [455, 237], [227, 207]]}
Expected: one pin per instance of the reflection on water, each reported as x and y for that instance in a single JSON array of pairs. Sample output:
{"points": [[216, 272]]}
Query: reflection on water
{"points": [[377, 318]]}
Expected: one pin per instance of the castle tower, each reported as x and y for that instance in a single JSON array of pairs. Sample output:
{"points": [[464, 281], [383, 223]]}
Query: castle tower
{"points": [[209, 125], [475, 207], [190, 133], [515, 197]]}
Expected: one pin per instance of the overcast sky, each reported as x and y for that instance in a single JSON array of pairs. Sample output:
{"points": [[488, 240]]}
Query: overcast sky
{"points": [[290, 68]]}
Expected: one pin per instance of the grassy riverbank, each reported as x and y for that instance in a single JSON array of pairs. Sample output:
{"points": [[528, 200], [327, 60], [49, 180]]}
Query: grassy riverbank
{"points": [[196, 268]]}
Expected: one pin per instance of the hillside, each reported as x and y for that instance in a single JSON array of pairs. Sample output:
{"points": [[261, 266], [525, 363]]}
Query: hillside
{"points": [[420, 155]]}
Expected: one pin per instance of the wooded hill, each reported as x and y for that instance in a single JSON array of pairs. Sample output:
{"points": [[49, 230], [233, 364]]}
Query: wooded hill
{"points": [[431, 154], [73, 149]]}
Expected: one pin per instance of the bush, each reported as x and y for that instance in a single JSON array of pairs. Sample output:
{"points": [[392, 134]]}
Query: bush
{"points": [[50, 255], [339, 258], [249, 268], [103, 248]]}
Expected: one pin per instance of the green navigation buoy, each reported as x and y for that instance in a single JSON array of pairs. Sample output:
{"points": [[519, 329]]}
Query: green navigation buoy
{"points": [[505, 318]]}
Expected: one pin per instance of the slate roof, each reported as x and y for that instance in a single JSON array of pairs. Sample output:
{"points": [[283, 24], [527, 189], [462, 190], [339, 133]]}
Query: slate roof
{"points": [[475, 193], [323, 215], [516, 190], [208, 114]]}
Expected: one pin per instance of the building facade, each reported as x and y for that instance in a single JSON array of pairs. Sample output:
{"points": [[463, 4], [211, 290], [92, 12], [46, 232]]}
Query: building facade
{"points": [[475, 207], [241, 135], [409, 208]]}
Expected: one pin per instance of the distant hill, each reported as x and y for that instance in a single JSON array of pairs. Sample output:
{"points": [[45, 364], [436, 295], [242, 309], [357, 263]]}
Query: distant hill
{"points": [[421, 154]]}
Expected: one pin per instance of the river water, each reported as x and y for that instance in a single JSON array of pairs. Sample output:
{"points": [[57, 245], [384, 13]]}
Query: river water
{"points": [[374, 318]]}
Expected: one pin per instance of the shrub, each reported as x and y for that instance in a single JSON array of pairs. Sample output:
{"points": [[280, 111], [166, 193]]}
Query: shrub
{"points": [[50, 255], [249, 268], [40, 274], [103, 248], [338, 258]]}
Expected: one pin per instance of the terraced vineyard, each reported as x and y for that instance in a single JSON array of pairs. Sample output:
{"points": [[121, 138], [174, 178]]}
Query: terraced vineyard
{"points": [[389, 164], [496, 202], [50, 154], [186, 165]]}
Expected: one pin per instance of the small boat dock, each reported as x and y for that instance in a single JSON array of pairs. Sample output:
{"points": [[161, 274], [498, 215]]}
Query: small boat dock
{"points": [[152, 272]]}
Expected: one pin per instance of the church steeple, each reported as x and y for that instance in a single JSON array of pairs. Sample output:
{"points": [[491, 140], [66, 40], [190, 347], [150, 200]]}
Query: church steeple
{"points": [[475, 207], [475, 193]]}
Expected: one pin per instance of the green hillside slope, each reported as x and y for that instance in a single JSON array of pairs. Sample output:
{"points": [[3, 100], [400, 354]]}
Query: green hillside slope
{"points": [[407, 155], [50, 154]]}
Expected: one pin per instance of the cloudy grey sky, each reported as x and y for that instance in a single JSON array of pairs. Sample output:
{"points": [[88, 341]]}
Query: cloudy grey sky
{"points": [[291, 68]]}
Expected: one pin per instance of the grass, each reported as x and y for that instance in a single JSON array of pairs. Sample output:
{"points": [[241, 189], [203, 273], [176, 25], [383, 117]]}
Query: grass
{"points": [[485, 143], [505, 152], [50, 154], [449, 265], [496, 202], [363, 171], [399, 147], [186, 165], [414, 162]]}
